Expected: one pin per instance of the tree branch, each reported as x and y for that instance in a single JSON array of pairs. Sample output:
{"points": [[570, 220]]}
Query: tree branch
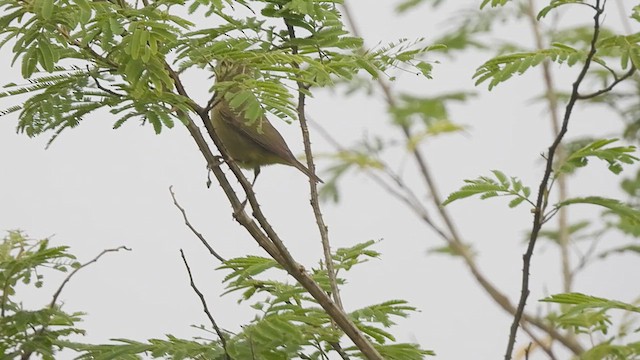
{"points": [[315, 202], [66, 280], [27, 354], [266, 237], [223, 340], [615, 82], [193, 230], [543, 188]]}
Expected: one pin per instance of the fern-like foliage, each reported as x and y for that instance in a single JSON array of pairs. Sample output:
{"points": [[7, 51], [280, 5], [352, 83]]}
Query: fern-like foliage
{"points": [[130, 48], [621, 209], [614, 156], [291, 321], [553, 4], [487, 187], [502, 68], [25, 261], [590, 314], [288, 324], [493, 3]]}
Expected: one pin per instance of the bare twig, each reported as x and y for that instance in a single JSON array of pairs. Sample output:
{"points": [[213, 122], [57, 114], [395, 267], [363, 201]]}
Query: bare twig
{"points": [[223, 340], [66, 280], [615, 82], [552, 103], [526, 351], [544, 346], [339, 350], [405, 195], [543, 188], [193, 230], [27, 354]]}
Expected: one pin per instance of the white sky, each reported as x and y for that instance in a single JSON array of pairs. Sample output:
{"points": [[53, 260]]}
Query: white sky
{"points": [[97, 188]]}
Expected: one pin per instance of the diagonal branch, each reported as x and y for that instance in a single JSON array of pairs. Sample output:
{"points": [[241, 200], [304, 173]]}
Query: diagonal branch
{"points": [[615, 82], [264, 234], [75, 271], [223, 340], [193, 230], [27, 354]]}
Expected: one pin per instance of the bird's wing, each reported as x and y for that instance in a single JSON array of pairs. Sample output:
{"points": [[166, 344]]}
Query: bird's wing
{"points": [[268, 138]]}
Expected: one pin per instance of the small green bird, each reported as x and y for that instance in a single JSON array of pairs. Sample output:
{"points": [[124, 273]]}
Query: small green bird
{"points": [[249, 145]]}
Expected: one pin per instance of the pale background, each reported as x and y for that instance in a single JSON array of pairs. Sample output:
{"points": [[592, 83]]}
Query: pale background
{"points": [[97, 188]]}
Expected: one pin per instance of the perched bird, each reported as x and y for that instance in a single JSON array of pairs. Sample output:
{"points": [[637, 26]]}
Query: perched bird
{"points": [[249, 145]]}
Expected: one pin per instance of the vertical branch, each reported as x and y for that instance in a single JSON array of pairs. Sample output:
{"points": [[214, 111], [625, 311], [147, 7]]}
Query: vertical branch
{"points": [[543, 188], [552, 104], [315, 202]]}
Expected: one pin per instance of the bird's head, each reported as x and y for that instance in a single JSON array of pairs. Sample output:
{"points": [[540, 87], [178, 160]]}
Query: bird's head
{"points": [[227, 70]]}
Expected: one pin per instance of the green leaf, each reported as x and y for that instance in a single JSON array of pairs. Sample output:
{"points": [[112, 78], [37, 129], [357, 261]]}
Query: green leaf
{"points": [[486, 188], [29, 62], [46, 55], [85, 10], [47, 9], [554, 4], [588, 301], [623, 210], [615, 156], [494, 3], [400, 351], [502, 68]]}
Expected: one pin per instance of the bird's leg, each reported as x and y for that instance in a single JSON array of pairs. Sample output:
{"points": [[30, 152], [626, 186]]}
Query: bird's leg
{"points": [[209, 168], [256, 172]]}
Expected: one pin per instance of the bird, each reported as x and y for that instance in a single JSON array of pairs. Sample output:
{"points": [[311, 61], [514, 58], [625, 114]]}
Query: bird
{"points": [[250, 145]]}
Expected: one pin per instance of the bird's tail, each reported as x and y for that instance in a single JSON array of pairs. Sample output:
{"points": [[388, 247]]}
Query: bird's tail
{"points": [[298, 165]]}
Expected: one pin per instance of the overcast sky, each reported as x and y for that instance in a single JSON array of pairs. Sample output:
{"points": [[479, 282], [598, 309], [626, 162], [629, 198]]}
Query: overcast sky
{"points": [[98, 188]]}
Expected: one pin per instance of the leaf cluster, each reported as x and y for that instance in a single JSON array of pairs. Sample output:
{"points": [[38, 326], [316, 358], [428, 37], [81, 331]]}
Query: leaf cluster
{"points": [[614, 156], [121, 56], [589, 314], [487, 187], [289, 324], [24, 331]]}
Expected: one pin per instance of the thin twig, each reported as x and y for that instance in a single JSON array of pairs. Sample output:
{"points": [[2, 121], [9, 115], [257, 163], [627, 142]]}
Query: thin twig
{"points": [[205, 307], [193, 230], [543, 189], [545, 347], [552, 101], [315, 202], [339, 350], [526, 351], [26, 355], [615, 82], [407, 196], [66, 280]]}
